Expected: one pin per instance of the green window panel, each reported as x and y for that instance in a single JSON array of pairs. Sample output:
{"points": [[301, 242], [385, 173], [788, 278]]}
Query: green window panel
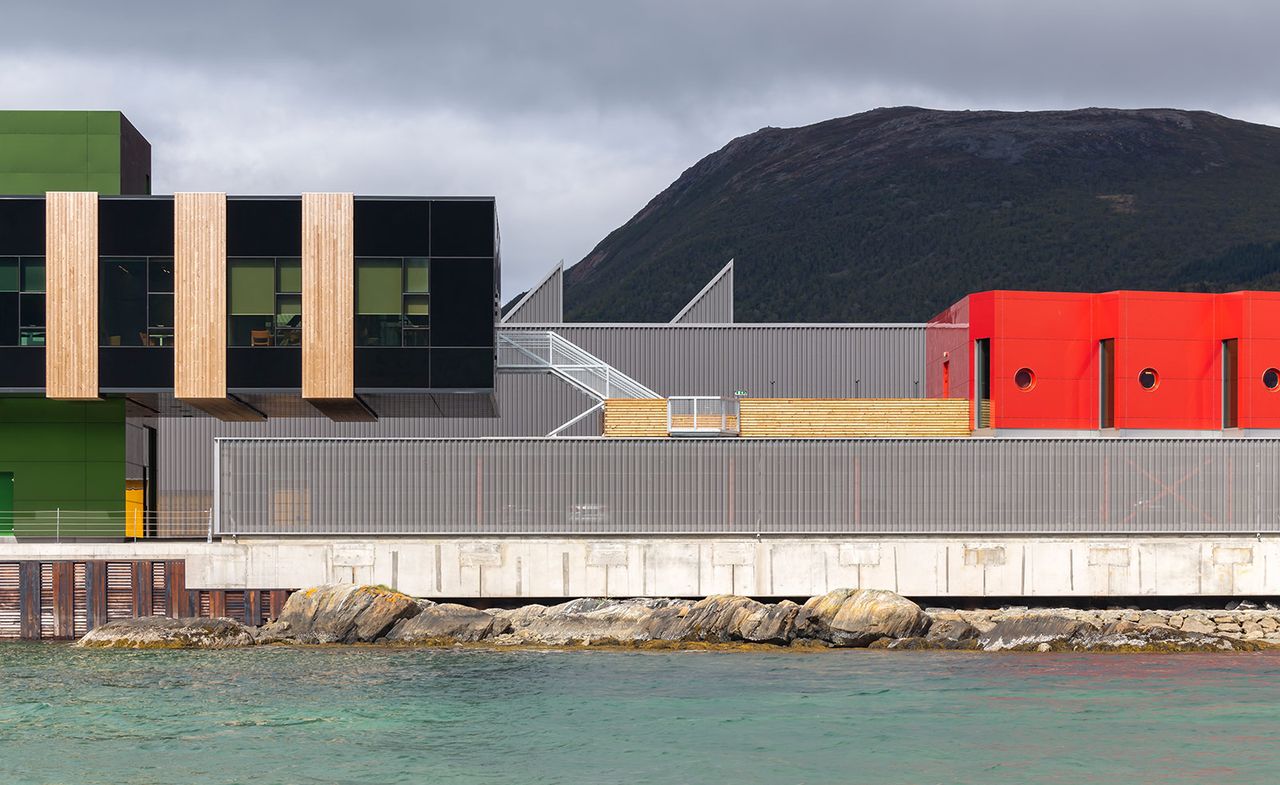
{"points": [[252, 287], [9, 274], [32, 274], [290, 275], [416, 275], [378, 287]]}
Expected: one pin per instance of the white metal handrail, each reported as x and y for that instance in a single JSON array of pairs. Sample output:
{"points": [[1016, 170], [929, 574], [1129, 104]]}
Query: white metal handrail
{"points": [[544, 350], [64, 524], [700, 414]]}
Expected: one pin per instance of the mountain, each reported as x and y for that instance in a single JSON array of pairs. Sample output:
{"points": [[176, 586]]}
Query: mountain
{"points": [[893, 214]]}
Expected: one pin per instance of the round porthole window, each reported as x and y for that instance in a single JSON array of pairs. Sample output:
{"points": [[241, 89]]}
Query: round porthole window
{"points": [[1024, 378], [1149, 379], [1271, 378]]}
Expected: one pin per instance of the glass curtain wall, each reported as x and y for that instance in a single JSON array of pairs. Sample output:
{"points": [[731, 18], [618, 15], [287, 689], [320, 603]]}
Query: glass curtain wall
{"points": [[135, 301], [22, 301], [393, 301], [265, 301]]}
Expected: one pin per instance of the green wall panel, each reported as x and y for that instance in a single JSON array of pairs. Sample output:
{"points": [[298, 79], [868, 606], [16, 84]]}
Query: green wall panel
{"points": [[60, 151], [65, 455]]}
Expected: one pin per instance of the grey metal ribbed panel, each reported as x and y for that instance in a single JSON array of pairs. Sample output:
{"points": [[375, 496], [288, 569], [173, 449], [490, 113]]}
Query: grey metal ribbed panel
{"points": [[529, 404], [712, 305], [543, 303], [764, 360], [672, 486]]}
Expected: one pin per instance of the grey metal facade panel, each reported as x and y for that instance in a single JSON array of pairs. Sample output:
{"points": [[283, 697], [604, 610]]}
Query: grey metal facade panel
{"points": [[529, 404], [712, 305], [764, 360], [543, 303], [672, 486]]}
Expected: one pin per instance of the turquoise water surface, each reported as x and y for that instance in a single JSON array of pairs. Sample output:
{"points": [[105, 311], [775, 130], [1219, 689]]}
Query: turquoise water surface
{"points": [[369, 715]]}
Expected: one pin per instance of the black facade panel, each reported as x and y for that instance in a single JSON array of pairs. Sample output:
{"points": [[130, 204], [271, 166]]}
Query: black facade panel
{"points": [[403, 368], [135, 227], [462, 368], [22, 227], [135, 160], [386, 227], [264, 367], [264, 227], [135, 367], [462, 228], [462, 303], [21, 367]]}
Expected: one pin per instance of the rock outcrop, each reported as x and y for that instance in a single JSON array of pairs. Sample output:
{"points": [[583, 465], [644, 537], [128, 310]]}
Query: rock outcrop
{"points": [[858, 617], [158, 632], [340, 613], [447, 622], [1031, 630]]}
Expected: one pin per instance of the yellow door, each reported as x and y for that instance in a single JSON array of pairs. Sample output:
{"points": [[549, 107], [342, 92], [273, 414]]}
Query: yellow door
{"points": [[133, 509]]}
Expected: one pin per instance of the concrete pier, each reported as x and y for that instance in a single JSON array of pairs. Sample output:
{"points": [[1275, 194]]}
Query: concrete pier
{"points": [[555, 567]]}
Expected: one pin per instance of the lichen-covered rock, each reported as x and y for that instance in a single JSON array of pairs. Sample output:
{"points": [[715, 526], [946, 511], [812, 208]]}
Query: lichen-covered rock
{"points": [[857, 617], [1026, 631], [952, 634], [158, 632], [446, 621], [592, 620], [339, 613], [725, 618]]}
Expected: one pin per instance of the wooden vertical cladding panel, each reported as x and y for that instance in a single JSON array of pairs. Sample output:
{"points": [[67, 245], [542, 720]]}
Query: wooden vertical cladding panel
{"points": [[328, 306], [71, 295], [200, 307]]}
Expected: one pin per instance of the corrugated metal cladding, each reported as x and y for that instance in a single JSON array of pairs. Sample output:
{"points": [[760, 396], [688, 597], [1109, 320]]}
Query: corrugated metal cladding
{"points": [[544, 303], [712, 305], [529, 404], [764, 360], [594, 486]]}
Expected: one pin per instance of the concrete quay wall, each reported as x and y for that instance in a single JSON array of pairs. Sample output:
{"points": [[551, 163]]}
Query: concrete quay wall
{"points": [[554, 567]]}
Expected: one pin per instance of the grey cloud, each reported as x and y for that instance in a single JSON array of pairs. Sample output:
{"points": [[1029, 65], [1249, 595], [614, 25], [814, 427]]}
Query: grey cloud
{"points": [[575, 113]]}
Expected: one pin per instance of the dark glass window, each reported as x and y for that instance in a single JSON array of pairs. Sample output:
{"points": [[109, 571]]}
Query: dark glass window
{"points": [[393, 301], [1271, 378], [135, 301], [1024, 378], [22, 301], [1148, 378], [265, 301]]}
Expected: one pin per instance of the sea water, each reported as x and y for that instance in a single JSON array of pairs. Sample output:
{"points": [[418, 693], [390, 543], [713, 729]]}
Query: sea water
{"points": [[371, 715]]}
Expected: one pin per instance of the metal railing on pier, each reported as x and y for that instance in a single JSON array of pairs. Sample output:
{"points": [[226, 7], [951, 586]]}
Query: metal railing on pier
{"points": [[61, 525]]}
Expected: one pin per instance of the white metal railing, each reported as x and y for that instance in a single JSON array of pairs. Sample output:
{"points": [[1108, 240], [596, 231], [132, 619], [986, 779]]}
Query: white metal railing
{"points": [[702, 415], [538, 350], [61, 524]]}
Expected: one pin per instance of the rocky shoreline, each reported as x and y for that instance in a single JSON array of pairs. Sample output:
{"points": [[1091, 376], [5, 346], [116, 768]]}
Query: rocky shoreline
{"points": [[845, 618]]}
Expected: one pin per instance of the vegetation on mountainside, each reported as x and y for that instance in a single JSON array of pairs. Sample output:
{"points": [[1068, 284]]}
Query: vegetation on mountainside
{"points": [[893, 214]]}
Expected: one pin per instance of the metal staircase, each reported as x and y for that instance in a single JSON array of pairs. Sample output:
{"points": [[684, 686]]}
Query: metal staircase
{"points": [[544, 351]]}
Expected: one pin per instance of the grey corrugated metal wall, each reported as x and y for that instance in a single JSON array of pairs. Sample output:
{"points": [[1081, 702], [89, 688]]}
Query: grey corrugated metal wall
{"points": [[898, 486], [543, 303], [529, 404], [712, 305], [764, 360]]}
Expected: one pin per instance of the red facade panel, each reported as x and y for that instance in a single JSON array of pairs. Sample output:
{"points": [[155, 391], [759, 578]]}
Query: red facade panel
{"points": [[1169, 357]]}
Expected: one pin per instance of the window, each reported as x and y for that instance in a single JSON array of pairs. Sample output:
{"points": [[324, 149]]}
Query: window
{"points": [[22, 301], [1107, 383], [135, 301], [1025, 379], [982, 383], [393, 301], [1271, 378], [264, 301], [1149, 379], [1230, 384]]}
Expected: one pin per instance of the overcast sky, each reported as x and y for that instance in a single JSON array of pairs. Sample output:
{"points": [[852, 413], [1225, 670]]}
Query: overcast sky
{"points": [[574, 114]]}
